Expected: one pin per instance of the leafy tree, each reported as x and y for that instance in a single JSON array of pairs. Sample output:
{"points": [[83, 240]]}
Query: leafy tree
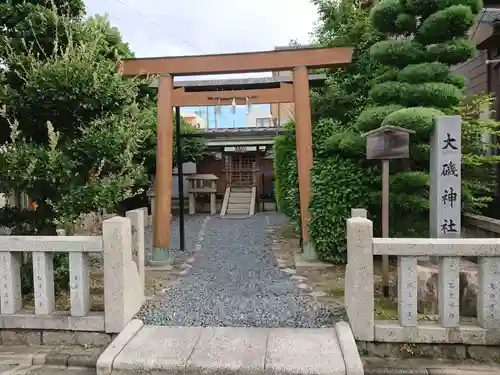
{"points": [[193, 149], [112, 46], [400, 75], [34, 24], [344, 24], [76, 134], [424, 41], [73, 146], [72, 128], [57, 73]]}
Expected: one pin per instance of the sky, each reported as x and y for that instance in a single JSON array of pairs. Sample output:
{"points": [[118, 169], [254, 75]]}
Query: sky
{"points": [[194, 27]]}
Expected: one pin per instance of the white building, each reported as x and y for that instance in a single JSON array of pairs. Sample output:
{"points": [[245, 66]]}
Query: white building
{"points": [[194, 120], [259, 118]]}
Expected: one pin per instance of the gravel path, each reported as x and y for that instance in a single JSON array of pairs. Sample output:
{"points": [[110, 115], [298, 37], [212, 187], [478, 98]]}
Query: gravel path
{"points": [[235, 282], [192, 226]]}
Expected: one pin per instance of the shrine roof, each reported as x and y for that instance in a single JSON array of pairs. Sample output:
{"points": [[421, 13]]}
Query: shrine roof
{"points": [[239, 132], [255, 83]]}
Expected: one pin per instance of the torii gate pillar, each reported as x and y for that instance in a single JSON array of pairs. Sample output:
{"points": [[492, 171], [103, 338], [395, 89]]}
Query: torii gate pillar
{"points": [[303, 131], [163, 188]]}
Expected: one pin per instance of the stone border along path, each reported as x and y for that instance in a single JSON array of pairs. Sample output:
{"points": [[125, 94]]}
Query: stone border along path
{"points": [[188, 263], [235, 283]]}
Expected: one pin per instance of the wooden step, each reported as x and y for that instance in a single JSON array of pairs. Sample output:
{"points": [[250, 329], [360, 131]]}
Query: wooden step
{"points": [[237, 211], [241, 189], [242, 206], [240, 195], [239, 199]]}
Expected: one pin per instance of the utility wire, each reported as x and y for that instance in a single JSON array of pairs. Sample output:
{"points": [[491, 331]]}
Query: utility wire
{"points": [[159, 25], [195, 48]]}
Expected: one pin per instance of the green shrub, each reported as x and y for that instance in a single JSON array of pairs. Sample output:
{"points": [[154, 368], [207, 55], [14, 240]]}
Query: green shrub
{"points": [[433, 94], [338, 184], [292, 197], [384, 15], [474, 5], [321, 131], [419, 119], [427, 7], [398, 53], [390, 75], [286, 170], [347, 143], [285, 155], [371, 118], [409, 204], [406, 23], [456, 80], [446, 25], [452, 52], [421, 8], [390, 92], [424, 72]]}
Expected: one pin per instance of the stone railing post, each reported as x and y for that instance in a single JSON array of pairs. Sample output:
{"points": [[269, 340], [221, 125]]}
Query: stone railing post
{"points": [[152, 197], [138, 222], [359, 290], [79, 286], [123, 288], [147, 223], [359, 212]]}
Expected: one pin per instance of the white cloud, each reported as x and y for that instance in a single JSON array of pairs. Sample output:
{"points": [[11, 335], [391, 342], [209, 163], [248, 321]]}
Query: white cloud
{"points": [[193, 27]]}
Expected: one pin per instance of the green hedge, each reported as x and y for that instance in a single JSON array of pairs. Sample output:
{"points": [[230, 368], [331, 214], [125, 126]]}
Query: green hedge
{"points": [[285, 167], [338, 184]]}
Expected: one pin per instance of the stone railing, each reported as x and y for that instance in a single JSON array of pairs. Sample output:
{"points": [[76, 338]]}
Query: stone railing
{"points": [[122, 249], [480, 226], [359, 287]]}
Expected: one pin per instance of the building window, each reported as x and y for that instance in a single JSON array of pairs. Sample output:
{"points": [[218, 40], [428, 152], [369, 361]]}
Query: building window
{"points": [[264, 122]]}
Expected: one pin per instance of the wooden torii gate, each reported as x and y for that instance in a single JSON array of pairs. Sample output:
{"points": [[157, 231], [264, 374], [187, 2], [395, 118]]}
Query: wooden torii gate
{"points": [[296, 60]]}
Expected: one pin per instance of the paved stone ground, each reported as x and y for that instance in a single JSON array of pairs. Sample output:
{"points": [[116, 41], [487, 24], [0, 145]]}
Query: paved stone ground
{"points": [[427, 366], [235, 282], [48, 370], [48, 360]]}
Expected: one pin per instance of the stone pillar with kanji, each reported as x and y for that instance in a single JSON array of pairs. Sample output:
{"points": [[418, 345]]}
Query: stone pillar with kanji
{"points": [[445, 178], [445, 205]]}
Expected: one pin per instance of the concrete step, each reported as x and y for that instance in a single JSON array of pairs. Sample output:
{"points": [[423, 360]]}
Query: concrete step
{"points": [[237, 211], [260, 351]]}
